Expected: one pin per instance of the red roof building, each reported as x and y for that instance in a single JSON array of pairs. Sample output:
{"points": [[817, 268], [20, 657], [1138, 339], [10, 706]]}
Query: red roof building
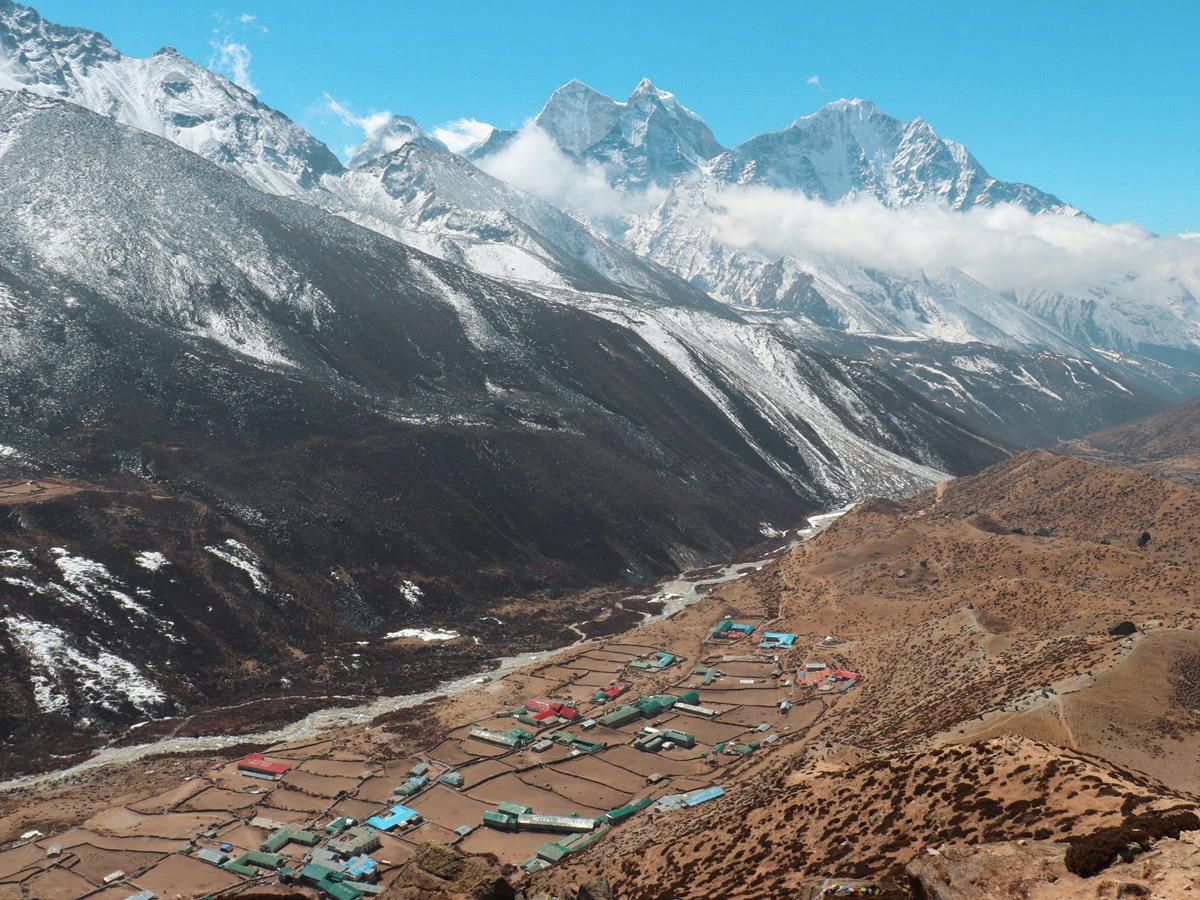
{"points": [[258, 766]]}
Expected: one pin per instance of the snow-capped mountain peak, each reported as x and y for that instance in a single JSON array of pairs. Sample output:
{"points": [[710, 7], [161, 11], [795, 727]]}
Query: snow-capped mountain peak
{"points": [[164, 94], [651, 138], [577, 116], [398, 131], [852, 148], [646, 88]]}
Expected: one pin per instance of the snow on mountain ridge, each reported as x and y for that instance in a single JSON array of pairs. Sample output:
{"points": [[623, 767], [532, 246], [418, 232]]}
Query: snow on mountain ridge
{"points": [[578, 116], [850, 148], [392, 135], [164, 94], [649, 139]]}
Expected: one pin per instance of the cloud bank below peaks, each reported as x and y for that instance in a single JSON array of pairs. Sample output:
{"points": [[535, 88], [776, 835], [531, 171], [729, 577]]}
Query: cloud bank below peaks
{"points": [[533, 162], [1005, 247], [463, 134]]}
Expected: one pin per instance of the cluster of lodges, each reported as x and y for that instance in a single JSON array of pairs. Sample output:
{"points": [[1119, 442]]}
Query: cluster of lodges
{"points": [[728, 631], [342, 867], [672, 802], [338, 861], [822, 677], [656, 661], [611, 691], [581, 831], [519, 739], [652, 706]]}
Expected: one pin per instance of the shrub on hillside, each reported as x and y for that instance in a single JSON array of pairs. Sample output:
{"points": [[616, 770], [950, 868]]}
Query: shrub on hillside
{"points": [[1093, 853]]}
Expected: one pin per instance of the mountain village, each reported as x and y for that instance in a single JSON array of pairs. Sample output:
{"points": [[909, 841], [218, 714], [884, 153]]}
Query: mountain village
{"points": [[342, 506]]}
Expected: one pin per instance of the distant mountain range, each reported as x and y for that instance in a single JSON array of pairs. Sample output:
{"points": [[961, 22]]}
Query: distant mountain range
{"points": [[848, 148], [407, 371]]}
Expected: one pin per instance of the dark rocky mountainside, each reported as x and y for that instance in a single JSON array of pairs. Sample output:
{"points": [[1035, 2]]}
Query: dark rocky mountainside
{"points": [[401, 440]]}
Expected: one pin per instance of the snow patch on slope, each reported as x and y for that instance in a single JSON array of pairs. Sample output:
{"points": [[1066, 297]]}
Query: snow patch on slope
{"points": [[238, 555], [422, 634], [411, 593], [100, 678], [151, 560], [89, 579]]}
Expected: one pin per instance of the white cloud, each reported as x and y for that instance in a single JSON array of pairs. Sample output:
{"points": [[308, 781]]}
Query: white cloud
{"points": [[533, 162], [1005, 247], [463, 133], [232, 59], [374, 127], [814, 80], [251, 20], [231, 55]]}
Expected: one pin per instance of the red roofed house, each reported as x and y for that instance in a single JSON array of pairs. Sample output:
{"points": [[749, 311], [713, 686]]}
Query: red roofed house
{"points": [[258, 766]]}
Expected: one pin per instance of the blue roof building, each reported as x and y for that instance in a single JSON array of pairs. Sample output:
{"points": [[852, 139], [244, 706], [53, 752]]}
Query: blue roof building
{"points": [[778, 639], [400, 815], [703, 796]]}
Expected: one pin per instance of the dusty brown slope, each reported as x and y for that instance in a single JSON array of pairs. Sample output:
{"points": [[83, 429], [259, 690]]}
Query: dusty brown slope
{"points": [[995, 705], [1166, 445]]}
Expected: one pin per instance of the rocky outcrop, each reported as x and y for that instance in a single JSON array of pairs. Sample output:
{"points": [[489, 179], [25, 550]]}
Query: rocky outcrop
{"points": [[1036, 870], [438, 872]]}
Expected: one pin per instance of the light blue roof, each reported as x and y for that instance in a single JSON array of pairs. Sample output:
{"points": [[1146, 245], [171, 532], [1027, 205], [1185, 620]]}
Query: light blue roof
{"points": [[398, 816], [703, 796], [783, 640]]}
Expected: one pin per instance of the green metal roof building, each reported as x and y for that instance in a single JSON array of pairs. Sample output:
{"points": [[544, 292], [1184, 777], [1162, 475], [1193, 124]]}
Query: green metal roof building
{"points": [[501, 821], [355, 840], [285, 836], [622, 715], [248, 864], [337, 826], [553, 852]]}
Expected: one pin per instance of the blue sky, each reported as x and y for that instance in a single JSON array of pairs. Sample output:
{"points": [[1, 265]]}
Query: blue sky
{"points": [[1097, 102]]}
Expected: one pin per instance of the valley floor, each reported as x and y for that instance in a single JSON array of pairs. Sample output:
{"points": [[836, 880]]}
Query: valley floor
{"points": [[939, 676]]}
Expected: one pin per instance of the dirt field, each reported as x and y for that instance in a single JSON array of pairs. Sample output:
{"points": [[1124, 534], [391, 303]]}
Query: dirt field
{"points": [[355, 772]]}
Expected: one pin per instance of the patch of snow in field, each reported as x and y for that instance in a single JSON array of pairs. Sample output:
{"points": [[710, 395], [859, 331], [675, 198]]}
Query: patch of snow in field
{"points": [[766, 529], [477, 329], [411, 593], [1096, 371], [242, 557], [151, 560], [46, 696], [14, 559], [980, 365], [103, 679], [1029, 381], [423, 634], [245, 336], [942, 381], [26, 583], [90, 579], [7, 451], [824, 520]]}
